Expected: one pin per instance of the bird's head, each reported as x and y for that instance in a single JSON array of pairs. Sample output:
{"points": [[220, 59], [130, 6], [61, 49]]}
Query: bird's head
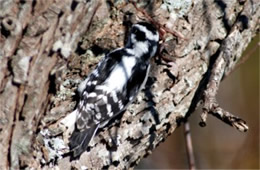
{"points": [[143, 38]]}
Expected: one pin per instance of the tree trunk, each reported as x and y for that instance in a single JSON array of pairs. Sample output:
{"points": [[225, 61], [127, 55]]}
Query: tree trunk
{"points": [[47, 47]]}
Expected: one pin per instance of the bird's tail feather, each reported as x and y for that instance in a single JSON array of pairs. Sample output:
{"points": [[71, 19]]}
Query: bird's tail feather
{"points": [[79, 140]]}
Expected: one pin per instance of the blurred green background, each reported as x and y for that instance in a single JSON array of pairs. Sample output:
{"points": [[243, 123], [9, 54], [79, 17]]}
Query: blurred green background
{"points": [[219, 146]]}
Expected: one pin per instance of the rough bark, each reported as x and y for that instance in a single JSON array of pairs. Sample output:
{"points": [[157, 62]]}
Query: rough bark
{"points": [[47, 47]]}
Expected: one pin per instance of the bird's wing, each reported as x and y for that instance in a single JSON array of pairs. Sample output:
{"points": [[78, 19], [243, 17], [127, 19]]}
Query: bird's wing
{"points": [[93, 99]]}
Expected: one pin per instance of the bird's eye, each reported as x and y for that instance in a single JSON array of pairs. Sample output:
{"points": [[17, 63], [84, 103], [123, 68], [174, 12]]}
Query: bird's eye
{"points": [[139, 35], [134, 30]]}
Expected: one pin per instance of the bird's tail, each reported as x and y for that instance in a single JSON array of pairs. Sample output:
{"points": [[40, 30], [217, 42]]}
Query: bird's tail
{"points": [[79, 140]]}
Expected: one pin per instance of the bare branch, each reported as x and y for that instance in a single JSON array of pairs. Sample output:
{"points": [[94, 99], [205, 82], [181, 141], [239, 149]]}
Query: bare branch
{"points": [[210, 104]]}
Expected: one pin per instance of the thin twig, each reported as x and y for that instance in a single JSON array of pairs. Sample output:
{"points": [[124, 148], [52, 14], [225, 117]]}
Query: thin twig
{"points": [[246, 56], [189, 147]]}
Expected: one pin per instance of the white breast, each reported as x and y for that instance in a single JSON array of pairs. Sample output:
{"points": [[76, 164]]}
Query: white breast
{"points": [[120, 74]]}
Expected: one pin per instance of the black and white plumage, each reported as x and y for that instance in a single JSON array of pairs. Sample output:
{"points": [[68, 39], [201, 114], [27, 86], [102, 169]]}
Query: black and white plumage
{"points": [[113, 85]]}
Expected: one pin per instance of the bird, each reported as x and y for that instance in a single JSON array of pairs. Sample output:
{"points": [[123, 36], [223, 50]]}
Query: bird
{"points": [[113, 85]]}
